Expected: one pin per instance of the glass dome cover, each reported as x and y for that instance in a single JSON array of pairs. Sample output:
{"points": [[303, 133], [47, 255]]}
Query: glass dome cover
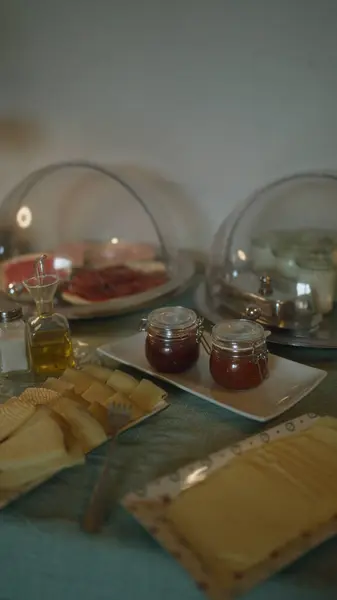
{"points": [[274, 259], [109, 246]]}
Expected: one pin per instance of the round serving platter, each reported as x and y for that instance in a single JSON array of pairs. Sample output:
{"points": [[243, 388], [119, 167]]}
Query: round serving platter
{"points": [[184, 270], [323, 337]]}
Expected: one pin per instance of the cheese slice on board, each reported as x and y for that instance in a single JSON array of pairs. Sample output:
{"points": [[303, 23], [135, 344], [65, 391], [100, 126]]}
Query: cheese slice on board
{"points": [[41, 412], [259, 502], [33, 445], [303, 459], [80, 380], [84, 427], [14, 479], [76, 398], [102, 374], [147, 395], [13, 413], [71, 443], [97, 392], [100, 414], [58, 385], [120, 400], [122, 382]]}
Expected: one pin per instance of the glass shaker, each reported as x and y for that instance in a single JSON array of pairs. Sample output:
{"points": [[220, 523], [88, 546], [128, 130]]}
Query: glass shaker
{"points": [[14, 355]]}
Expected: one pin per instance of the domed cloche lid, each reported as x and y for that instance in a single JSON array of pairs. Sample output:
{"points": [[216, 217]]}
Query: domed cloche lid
{"points": [[274, 260], [109, 244]]}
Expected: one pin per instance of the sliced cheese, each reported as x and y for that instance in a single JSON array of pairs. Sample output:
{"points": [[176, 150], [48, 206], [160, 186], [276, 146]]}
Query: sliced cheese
{"points": [[76, 398], [97, 392], [122, 382], [325, 422], [121, 401], [58, 385], [101, 414], [147, 395], [14, 479], [40, 413], [13, 413], [38, 396], [260, 501], [33, 445], [100, 373], [84, 427], [71, 443], [80, 380]]}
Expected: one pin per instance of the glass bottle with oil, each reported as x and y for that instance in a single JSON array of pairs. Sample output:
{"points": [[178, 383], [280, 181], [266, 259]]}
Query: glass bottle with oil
{"points": [[49, 336]]}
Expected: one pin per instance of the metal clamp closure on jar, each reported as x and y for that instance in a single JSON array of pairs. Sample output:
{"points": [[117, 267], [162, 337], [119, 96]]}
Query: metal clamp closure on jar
{"points": [[259, 356], [255, 351]]}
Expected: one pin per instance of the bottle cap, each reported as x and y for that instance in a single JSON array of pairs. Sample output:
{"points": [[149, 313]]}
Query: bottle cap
{"points": [[9, 311]]}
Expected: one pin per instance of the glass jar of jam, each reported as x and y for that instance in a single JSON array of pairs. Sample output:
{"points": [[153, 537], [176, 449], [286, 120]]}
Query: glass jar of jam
{"points": [[239, 355], [173, 338]]}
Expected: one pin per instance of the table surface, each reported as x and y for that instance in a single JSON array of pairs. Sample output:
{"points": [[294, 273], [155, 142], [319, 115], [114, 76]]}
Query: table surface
{"points": [[44, 553]]}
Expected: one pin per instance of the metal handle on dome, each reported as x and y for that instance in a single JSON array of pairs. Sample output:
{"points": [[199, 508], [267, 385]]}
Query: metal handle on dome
{"points": [[253, 312]]}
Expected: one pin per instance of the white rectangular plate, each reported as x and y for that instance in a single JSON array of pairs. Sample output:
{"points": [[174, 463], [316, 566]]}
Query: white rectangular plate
{"points": [[288, 382], [149, 507]]}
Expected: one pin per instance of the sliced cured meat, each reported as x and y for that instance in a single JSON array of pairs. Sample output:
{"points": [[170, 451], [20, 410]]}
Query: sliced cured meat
{"points": [[111, 282]]}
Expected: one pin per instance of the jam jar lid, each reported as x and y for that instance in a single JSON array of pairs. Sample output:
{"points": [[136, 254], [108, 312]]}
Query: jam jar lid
{"points": [[171, 321], [238, 335]]}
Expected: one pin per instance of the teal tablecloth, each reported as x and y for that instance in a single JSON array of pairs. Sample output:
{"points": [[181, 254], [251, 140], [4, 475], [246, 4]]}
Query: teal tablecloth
{"points": [[44, 554]]}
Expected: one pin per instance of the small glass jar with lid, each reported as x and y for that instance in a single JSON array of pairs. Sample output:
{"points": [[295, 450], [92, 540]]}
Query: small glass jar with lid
{"points": [[173, 338], [239, 356], [14, 355]]}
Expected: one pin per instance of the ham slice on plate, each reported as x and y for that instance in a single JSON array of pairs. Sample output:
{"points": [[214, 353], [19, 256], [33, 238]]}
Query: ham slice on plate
{"points": [[117, 281], [87, 285]]}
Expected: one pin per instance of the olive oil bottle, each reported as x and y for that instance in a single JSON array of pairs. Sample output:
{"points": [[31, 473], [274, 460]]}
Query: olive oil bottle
{"points": [[49, 338]]}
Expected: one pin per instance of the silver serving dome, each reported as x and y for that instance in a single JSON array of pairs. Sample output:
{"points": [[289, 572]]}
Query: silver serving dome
{"points": [[274, 260]]}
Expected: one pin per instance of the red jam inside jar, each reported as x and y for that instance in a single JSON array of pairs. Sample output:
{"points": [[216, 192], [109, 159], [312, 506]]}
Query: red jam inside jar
{"points": [[172, 340], [239, 356]]}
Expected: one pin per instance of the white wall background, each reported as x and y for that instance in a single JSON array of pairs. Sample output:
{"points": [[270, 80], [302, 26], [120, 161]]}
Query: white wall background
{"points": [[219, 96]]}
